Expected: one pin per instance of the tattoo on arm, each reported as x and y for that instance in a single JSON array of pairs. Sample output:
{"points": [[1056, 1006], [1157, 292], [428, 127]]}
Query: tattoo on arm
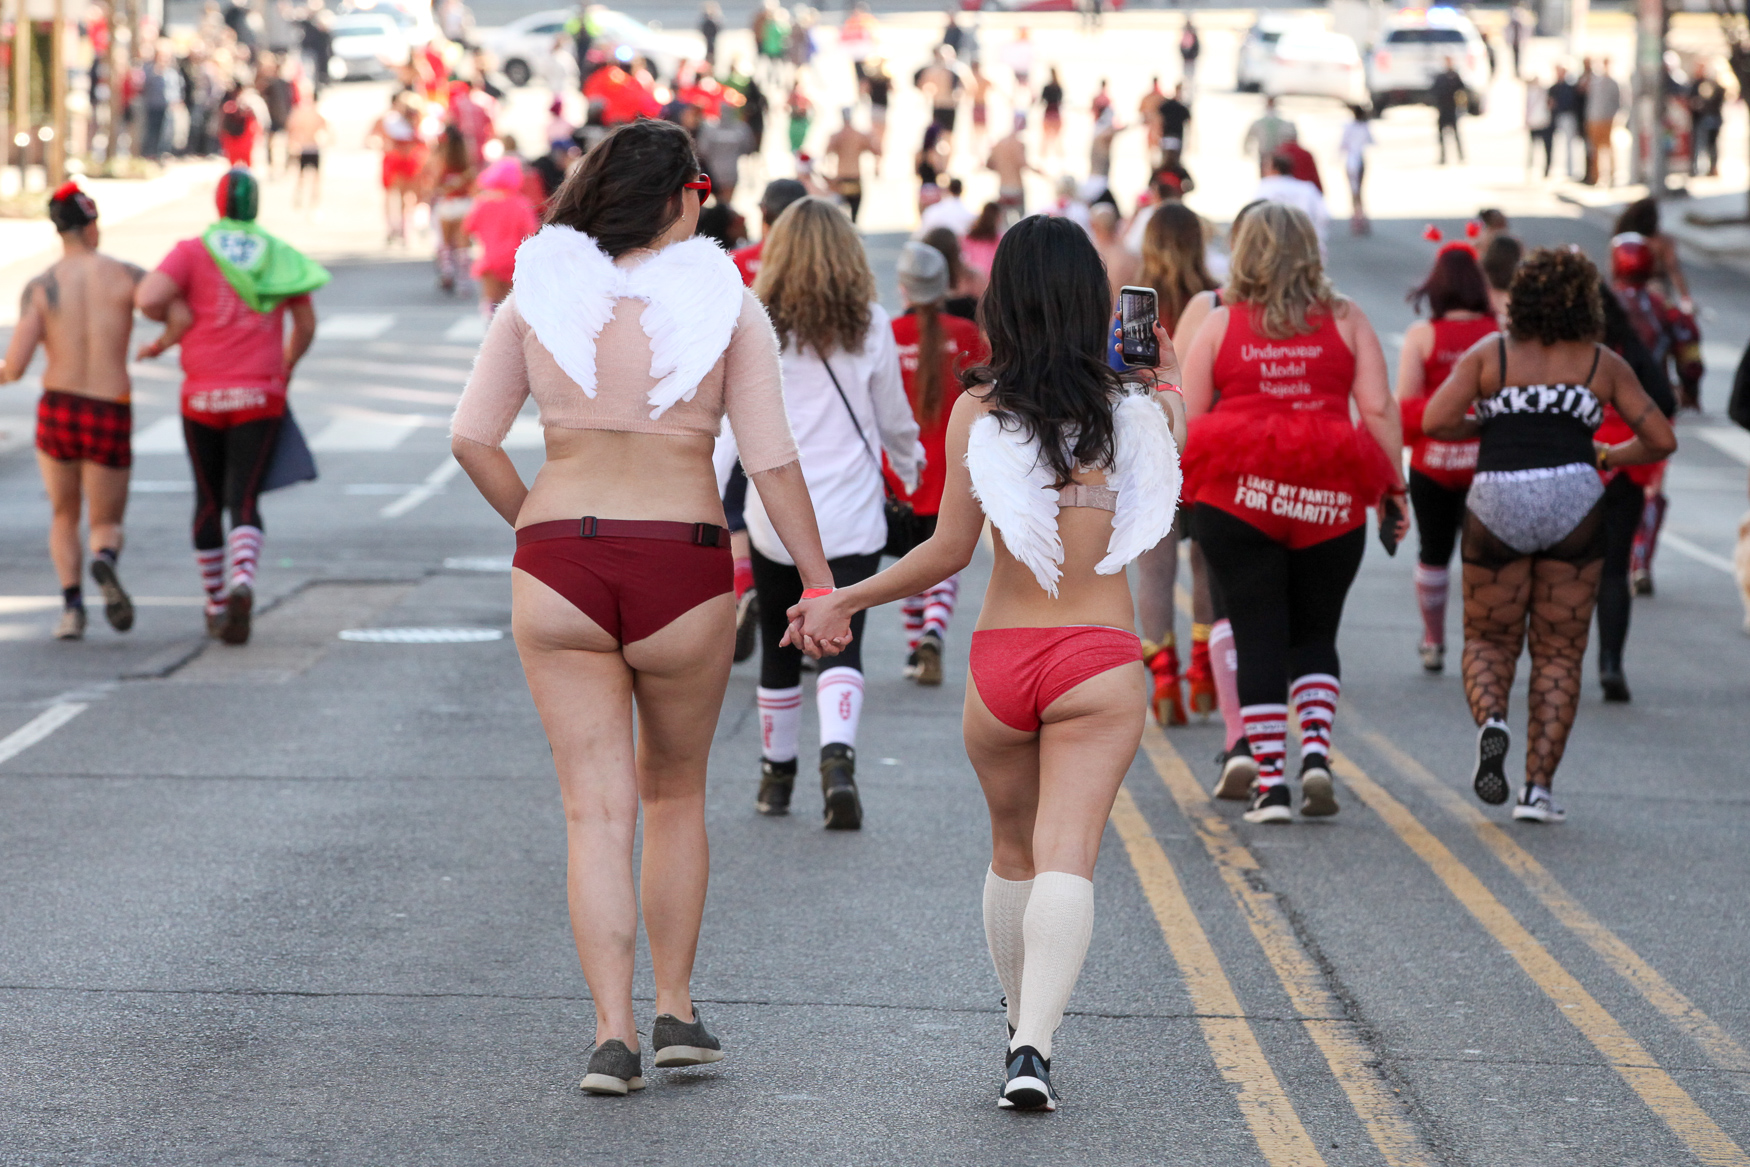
{"points": [[51, 289]]}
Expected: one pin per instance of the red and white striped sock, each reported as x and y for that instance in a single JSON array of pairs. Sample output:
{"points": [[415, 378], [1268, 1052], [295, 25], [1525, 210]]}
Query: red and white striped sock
{"points": [[1224, 663], [911, 609], [1314, 698], [1431, 587], [839, 698], [939, 605], [245, 547], [211, 563], [780, 722], [1266, 732]]}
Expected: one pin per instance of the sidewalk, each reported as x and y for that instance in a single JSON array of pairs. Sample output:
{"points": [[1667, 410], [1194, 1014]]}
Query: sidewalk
{"points": [[1726, 244]]}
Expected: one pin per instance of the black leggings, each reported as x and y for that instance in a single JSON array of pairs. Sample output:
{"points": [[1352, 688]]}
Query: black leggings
{"points": [[1285, 605], [1439, 519], [1623, 503], [780, 586], [229, 465]]}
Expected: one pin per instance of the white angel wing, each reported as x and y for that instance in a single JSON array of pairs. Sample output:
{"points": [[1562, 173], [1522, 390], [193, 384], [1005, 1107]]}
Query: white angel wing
{"points": [[1013, 486], [692, 296], [566, 287], [1145, 473]]}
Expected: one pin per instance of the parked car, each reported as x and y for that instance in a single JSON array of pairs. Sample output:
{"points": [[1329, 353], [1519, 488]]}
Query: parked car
{"points": [[1315, 63], [365, 45], [1412, 50], [412, 18], [1259, 42], [520, 46]]}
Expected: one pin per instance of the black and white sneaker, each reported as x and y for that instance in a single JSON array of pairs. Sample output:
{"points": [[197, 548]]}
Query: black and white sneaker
{"points": [[118, 609], [1318, 797], [1273, 804], [843, 809], [777, 780], [614, 1069], [684, 1043], [1238, 771], [1490, 778], [1536, 806], [1029, 1084], [747, 624]]}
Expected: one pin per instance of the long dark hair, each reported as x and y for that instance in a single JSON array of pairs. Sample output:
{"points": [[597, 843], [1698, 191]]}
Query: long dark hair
{"points": [[1641, 217], [927, 381], [1047, 314], [626, 191], [1454, 284]]}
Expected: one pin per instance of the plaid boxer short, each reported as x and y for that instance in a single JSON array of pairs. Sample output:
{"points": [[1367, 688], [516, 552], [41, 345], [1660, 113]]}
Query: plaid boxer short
{"points": [[74, 428]]}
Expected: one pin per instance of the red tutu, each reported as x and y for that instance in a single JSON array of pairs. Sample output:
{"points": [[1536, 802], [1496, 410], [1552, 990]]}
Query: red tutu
{"points": [[1451, 464]]}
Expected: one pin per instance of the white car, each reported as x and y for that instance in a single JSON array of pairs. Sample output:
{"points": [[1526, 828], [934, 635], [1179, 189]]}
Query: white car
{"points": [[1414, 47], [521, 46], [1316, 63], [365, 45], [412, 17], [1259, 42]]}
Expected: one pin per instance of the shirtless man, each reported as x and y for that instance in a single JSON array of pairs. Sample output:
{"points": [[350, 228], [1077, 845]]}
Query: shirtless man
{"points": [[1009, 159], [847, 147], [306, 131], [81, 311]]}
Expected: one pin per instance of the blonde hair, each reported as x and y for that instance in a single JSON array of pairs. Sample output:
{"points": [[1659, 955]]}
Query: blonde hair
{"points": [[815, 280], [1276, 266], [1172, 260]]}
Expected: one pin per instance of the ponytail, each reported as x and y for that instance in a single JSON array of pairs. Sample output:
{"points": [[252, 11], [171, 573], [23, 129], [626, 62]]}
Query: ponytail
{"points": [[928, 380]]}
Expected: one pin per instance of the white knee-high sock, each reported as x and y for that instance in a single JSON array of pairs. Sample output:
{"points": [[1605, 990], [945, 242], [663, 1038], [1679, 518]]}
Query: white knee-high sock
{"points": [[1058, 926], [780, 722], [1005, 911], [838, 696]]}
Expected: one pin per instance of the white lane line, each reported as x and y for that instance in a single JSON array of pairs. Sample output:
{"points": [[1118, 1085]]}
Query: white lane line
{"points": [[467, 329], [354, 325], [434, 482], [356, 434], [1728, 440], [39, 727], [526, 433], [163, 436], [1700, 554]]}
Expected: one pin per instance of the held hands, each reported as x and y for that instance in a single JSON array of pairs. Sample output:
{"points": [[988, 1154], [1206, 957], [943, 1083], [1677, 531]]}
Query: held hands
{"points": [[153, 348], [819, 626]]}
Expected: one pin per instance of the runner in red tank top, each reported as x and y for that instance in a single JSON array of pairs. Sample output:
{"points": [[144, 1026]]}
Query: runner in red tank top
{"points": [[1457, 295], [1281, 480]]}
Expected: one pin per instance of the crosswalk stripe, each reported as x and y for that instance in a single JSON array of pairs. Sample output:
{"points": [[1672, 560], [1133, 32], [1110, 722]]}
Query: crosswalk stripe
{"points": [[1657, 1088], [1715, 1042], [1351, 1062], [39, 727], [1263, 1102], [1728, 440], [354, 325], [359, 434], [163, 436], [467, 330]]}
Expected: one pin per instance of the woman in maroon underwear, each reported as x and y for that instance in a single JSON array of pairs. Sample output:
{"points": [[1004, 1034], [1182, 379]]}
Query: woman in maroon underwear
{"points": [[1078, 474], [635, 340]]}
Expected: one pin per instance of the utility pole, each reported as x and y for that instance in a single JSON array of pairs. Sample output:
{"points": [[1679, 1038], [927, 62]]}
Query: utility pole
{"points": [[21, 128], [1649, 96], [56, 159]]}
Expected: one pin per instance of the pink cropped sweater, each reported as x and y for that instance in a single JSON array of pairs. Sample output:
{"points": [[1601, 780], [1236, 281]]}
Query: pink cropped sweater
{"points": [[745, 384]]}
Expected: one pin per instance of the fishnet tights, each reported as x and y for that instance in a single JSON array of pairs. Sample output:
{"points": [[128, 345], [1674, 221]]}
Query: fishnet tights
{"points": [[1554, 598]]}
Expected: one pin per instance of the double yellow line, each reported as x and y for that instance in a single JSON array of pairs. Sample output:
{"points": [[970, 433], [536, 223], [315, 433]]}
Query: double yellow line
{"points": [[1277, 1129]]}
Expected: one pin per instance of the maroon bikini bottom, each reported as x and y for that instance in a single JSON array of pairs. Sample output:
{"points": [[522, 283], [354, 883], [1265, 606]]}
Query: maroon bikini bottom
{"points": [[631, 576]]}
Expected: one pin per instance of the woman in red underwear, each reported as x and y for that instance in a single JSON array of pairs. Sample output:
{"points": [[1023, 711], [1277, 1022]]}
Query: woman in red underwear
{"points": [[1078, 473], [635, 340], [397, 134], [1280, 481], [1457, 295], [449, 181]]}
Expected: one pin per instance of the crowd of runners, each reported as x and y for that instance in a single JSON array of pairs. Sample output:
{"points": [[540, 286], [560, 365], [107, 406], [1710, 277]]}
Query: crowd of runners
{"points": [[737, 436]]}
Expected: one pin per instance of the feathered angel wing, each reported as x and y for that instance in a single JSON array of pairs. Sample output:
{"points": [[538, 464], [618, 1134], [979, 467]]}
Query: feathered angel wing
{"points": [[692, 298], [1145, 473], [1013, 486], [566, 287]]}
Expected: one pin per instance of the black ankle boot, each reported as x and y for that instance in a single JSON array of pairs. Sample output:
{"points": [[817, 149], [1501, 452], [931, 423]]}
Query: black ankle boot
{"points": [[838, 786], [776, 781], [1610, 677]]}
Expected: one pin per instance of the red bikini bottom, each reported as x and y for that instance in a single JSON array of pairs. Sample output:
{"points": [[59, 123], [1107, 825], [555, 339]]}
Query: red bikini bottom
{"points": [[1021, 671], [632, 577]]}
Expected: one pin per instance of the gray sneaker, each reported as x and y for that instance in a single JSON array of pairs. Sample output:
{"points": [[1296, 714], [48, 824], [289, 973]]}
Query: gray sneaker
{"points": [[684, 1043], [614, 1069]]}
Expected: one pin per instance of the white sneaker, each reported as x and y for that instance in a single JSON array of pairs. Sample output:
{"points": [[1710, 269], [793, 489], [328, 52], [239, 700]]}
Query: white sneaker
{"points": [[1536, 806]]}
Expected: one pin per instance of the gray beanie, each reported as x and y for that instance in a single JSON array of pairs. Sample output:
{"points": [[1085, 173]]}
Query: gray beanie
{"points": [[923, 273]]}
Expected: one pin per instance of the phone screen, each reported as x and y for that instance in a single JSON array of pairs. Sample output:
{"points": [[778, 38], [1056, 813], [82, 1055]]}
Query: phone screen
{"points": [[1136, 318]]}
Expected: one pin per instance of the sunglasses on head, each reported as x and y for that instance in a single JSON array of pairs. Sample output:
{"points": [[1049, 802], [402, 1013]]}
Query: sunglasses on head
{"points": [[702, 184]]}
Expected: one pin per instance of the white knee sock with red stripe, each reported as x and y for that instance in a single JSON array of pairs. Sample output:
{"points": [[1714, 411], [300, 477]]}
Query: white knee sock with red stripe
{"points": [[1266, 732], [839, 697], [780, 723], [912, 610], [212, 568], [1314, 698], [1431, 587], [939, 605], [245, 547]]}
